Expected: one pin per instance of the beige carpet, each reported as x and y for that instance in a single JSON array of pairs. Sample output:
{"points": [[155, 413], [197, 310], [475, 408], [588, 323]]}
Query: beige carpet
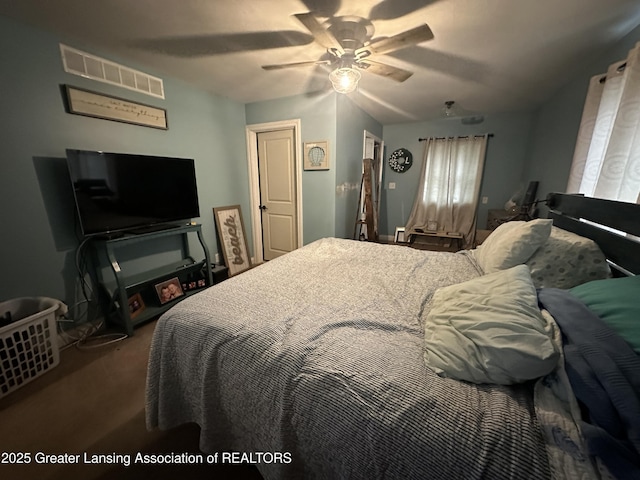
{"points": [[93, 403]]}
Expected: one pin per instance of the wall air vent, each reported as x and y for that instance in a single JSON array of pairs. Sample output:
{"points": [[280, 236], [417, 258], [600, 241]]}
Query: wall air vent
{"points": [[89, 66]]}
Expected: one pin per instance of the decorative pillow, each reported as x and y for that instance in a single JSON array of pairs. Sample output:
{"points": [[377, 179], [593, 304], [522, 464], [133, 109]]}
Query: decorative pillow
{"points": [[489, 330], [511, 244], [615, 301], [567, 260]]}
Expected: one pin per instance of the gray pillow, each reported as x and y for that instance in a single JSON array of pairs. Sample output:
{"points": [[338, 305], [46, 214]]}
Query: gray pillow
{"points": [[511, 244], [489, 330], [567, 260]]}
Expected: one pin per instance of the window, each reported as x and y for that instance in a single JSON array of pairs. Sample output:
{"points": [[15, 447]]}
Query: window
{"points": [[606, 160]]}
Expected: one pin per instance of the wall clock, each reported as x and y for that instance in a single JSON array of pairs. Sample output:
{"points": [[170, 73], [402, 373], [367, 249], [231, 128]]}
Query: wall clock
{"points": [[400, 160]]}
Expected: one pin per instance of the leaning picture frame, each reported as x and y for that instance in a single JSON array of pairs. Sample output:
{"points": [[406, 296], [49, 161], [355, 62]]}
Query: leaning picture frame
{"points": [[232, 238]]}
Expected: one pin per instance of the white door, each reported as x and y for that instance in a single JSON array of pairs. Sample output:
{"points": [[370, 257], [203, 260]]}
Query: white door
{"points": [[277, 171]]}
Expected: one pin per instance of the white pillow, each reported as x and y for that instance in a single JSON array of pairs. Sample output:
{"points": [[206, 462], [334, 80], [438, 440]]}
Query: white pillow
{"points": [[489, 330], [511, 244], [567, 260]]}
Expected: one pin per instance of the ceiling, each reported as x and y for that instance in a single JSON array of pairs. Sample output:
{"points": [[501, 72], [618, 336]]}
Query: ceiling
{"points": [[488, 56]]}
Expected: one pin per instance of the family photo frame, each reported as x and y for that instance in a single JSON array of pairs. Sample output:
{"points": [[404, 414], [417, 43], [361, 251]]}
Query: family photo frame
{"points": [[232, 238], [169, 290], [136, 305]]}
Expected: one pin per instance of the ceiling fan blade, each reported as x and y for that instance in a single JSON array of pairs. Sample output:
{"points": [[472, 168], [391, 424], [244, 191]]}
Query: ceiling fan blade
{"points": [[411, 37], [384, 70], [391, 9], [204, 45], [296, 64], [323, 8], [321, 34]]}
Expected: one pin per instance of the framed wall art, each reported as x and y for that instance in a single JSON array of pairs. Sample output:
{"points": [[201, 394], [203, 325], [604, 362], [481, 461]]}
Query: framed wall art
{"points": [[107, 107], [316, 155], [232, 238]]}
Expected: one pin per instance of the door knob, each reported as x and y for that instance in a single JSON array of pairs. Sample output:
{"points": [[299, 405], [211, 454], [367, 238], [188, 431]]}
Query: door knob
{"points": [[262, 207]]}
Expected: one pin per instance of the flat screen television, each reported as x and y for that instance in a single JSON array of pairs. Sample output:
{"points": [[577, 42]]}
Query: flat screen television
{"points": [[118, 192]]}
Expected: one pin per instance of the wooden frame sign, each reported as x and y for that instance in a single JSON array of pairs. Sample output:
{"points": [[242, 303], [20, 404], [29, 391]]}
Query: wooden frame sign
{"points": [[97, 105], [233, 238]]}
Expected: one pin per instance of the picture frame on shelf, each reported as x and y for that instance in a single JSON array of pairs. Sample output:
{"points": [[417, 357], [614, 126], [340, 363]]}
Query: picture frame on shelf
{"points": [[232, 238], [169, 290], [316, 155], [136, 305]]}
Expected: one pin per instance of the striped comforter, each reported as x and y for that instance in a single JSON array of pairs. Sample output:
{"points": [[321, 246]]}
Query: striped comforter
{"points": [[319, 354]]}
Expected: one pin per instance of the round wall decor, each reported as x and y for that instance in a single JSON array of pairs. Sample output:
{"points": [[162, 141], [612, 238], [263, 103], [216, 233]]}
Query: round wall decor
{"points": [[401, 160]]}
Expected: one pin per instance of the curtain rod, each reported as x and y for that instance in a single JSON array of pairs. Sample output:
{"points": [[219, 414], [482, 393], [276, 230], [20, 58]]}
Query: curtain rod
{"points": [[464, 136]]}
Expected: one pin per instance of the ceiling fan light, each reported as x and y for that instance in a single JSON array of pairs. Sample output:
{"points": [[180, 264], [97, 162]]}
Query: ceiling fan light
{"points": [[344, 80]]}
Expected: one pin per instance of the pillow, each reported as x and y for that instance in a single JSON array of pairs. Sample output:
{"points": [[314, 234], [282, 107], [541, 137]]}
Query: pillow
{"points": [[567, 260], [511, 244], [489, 330], [615, 301]]}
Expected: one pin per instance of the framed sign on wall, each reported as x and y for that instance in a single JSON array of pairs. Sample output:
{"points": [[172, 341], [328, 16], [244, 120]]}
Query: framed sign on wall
{"points": [[107, 107]]}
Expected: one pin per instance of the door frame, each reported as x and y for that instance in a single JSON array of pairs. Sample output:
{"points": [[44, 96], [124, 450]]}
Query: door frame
{"points": [[254, 179]]}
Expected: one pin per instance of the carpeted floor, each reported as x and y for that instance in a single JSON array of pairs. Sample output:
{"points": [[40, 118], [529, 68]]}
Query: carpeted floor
{"points": [[93, 404]]}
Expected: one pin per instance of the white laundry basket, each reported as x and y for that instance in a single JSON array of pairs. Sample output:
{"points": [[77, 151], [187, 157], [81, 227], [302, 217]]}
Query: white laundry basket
{"points": [[29, 344]]}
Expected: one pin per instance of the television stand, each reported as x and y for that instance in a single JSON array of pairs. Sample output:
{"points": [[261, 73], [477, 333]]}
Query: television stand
{"points": [[159, 227], [128, 285]]}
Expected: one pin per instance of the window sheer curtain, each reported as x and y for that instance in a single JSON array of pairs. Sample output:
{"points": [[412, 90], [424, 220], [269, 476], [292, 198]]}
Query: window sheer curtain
{"points": [[606, 160], [449, 185]]}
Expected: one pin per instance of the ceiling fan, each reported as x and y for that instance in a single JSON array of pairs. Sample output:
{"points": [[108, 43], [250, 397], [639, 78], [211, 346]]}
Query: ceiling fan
{"points": [[350, 45]]}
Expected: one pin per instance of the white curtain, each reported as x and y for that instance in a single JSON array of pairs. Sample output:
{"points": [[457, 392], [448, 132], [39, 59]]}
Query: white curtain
{"points": [[449, 185], [606, 160]]}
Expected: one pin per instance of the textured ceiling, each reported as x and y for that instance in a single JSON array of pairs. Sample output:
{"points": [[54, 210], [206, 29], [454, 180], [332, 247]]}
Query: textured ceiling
{"points": [[488, 55]]}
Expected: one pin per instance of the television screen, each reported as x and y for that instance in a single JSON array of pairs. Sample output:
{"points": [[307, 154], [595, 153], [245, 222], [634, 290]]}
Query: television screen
{"points": [[117, 192]]}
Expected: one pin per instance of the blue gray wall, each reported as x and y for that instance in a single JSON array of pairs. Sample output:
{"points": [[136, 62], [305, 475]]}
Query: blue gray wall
{"points": [[557, 122], [507, 153], [351, 123], [38, 233], [317, 114], [332, 117], [526, 146]]}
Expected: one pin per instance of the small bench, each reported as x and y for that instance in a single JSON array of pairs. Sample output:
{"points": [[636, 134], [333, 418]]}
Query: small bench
{"points": [[437, 240]]}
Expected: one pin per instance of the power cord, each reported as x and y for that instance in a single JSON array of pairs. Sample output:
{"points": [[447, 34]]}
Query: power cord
{"points": [[89, 335]]}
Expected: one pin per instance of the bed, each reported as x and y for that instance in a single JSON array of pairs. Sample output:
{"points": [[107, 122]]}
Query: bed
{"points": [[347, 359]]}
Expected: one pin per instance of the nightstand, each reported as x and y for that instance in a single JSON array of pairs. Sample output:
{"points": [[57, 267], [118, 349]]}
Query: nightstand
{"points": [[495, 218], [219, 273]]}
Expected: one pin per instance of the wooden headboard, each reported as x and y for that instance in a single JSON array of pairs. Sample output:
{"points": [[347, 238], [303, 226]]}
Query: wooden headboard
{"points": [[622, 248]]}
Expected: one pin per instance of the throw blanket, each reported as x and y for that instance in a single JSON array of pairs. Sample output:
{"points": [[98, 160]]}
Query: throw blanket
{"points": [[605, 376]]}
